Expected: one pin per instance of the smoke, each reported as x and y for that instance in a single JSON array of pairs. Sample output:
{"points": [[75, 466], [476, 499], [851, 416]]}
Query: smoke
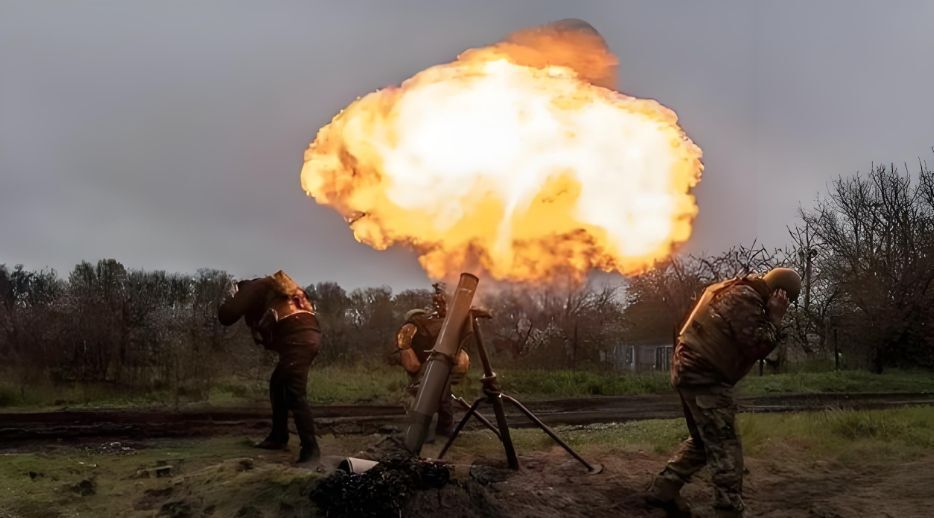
{"points": [[569, 43], [518, 161]]}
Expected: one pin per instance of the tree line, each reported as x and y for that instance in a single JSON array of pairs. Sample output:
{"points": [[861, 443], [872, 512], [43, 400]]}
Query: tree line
{"points": [[865, 250], [106, 323]]}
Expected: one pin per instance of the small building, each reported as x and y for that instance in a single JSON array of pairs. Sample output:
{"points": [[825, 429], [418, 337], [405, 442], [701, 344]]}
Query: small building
{"points": [[639, 357]]}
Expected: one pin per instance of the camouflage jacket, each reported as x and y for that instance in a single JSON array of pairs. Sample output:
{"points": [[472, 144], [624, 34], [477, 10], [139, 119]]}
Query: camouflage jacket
{"points": [[727, 332], [420, 334], [275, 320]]}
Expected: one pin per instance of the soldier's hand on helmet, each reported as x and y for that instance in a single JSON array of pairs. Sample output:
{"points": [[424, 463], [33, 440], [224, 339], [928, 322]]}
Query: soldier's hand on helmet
{"points": [[777, 305], [462, 361]]}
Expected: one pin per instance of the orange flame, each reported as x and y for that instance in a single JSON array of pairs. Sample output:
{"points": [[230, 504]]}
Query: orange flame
{"points": [[513, 162]]}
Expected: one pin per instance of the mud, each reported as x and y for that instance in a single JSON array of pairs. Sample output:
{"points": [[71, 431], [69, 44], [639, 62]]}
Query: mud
{"points": [[550, 487], [789, 481], [384, 490], [19, 427]]}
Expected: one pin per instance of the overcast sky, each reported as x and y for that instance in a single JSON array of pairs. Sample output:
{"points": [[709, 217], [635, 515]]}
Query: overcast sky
{"points": [[169, 134]]}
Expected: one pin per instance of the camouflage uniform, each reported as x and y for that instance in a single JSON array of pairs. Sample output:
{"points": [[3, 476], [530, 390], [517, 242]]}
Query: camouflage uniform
{"points": [[727, 332], [419, 333], [281, 319]]}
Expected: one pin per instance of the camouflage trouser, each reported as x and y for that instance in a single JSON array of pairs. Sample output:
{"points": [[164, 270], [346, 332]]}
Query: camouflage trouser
{"points": [[710, 412]]}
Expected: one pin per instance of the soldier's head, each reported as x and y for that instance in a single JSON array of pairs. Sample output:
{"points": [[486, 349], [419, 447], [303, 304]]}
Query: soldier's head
{"points": [[438, 301], [784, 279]]}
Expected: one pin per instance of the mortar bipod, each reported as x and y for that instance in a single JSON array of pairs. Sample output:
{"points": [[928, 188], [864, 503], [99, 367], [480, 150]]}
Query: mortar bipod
{"points": [[493, 395]]}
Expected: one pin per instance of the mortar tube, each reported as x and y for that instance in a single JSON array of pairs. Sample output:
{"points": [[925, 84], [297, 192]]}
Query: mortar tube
{"points": [[438, 371]]}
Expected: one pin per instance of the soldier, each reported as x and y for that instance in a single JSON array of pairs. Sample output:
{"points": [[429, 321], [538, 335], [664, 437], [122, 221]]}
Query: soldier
{"points": [[414, 342], [734, 324], [281, 319]]}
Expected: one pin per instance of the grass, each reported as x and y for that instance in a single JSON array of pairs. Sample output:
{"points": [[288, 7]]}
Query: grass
{"points": [[326, 385], [890, 435], [839, 381], [542, 384], [210, 474], [384, 384], [96, 395], [849, 435], [89, 482]]}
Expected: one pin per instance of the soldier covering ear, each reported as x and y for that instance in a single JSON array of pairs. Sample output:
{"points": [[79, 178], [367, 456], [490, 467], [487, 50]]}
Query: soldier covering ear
{"points": [[733, 325], [281, 319]]}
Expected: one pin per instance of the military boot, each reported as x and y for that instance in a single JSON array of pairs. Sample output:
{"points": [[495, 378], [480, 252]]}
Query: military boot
{"points": [[665, 494], [268, 444], [309, 454]]}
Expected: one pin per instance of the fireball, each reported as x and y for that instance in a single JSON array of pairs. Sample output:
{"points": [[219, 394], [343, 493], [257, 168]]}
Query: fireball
{"points": [[519, 161]]}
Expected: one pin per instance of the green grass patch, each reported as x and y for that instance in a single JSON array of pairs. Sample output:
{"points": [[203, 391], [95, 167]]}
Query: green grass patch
{"points": [[209, 476], [892, 435], [37, 396], [557, 384], [110, 482], [848, 434], [384, 384], [659, 436], [838, 381], [359, 384]]}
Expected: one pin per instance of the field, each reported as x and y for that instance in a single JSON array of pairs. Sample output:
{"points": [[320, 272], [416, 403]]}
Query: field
{"points": [[824, 464], [382, 384], [829, 463]]}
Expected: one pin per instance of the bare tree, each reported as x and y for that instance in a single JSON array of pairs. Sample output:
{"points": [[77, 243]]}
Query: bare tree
{"points": [[660, 299], [874, 235]]}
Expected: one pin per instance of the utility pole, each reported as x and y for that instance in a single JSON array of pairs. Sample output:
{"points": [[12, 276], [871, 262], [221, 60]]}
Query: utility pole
{"points": [[836, 351]]}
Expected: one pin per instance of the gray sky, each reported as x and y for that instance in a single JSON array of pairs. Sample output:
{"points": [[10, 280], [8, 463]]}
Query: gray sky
{"points": [[169, 134]]}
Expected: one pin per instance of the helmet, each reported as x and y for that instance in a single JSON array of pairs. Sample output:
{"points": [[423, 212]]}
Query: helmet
{"points": [[412, 313], [784, 279]]}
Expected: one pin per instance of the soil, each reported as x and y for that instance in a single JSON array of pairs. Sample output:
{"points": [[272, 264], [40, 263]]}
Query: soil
{"points": [[550, 486], [788, 483]]}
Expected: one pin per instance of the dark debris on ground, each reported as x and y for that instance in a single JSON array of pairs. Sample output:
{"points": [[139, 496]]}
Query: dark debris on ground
{"points": [[382, 491]]}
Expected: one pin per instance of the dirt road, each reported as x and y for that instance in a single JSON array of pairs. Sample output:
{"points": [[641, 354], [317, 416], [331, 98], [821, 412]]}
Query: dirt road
{"points": [[343, 419]]}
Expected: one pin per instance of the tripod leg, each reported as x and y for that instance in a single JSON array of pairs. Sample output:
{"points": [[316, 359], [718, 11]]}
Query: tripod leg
{"points": [[491, 389], [505, 438], [471, 410], [528, 413], [486, 422]]}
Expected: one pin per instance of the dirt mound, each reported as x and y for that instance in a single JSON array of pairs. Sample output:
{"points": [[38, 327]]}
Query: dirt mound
{"points": [[788, 485], [384, 490], [547, 485]]}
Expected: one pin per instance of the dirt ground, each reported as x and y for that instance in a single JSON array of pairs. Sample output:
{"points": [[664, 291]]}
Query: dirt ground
{"points": [[27, 427], [552, 487], [226, 477]]}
